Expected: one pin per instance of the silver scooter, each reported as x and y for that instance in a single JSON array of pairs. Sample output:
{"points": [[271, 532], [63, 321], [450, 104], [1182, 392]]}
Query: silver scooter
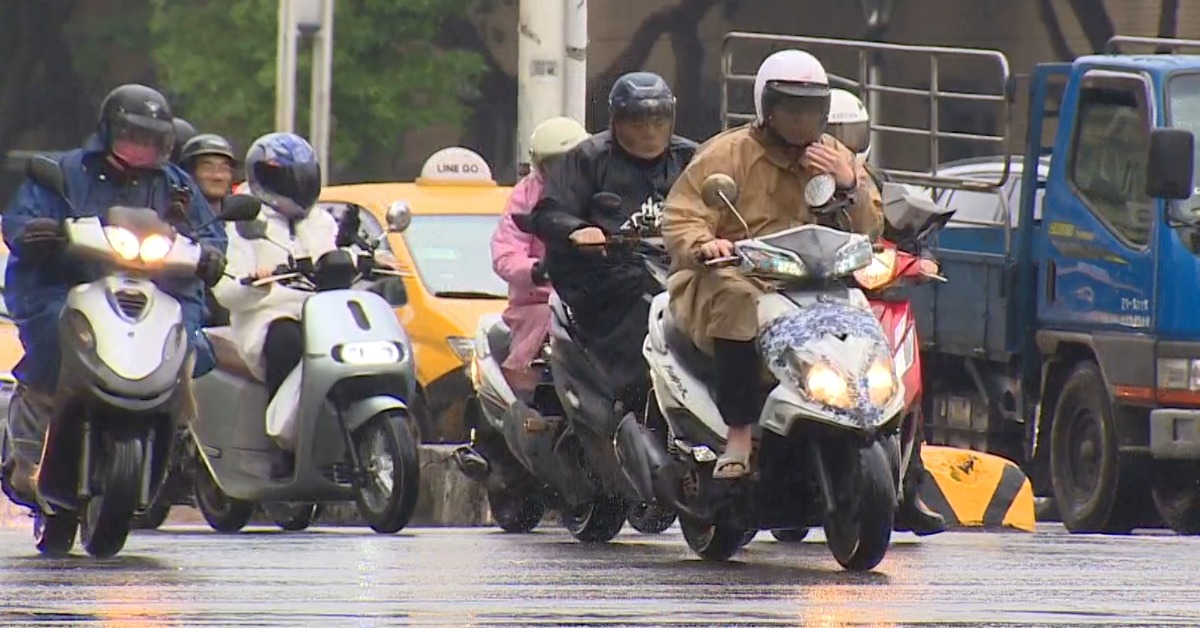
{"points": [[124, 351], [352, 438]]}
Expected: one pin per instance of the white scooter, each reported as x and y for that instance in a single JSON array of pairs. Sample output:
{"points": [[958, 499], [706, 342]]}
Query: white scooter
{"points": [[828, 439]]}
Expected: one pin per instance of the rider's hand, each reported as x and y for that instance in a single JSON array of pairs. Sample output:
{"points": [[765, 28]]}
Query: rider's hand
{"points": [[42, 230], [833, 161], [211, 266], [265, 271], [385, 260], [928, 267], [538, 274], [588, 235], [716, 248]]}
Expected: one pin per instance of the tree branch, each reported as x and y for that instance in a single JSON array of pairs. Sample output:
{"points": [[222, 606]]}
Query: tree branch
{"points": [[1094, 19], [1168, 19]]}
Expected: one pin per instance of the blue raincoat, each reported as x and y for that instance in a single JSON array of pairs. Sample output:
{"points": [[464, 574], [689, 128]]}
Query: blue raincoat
{"points": [[36, 290]]}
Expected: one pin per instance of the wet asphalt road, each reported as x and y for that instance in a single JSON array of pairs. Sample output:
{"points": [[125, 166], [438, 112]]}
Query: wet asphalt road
{"points": [[188, 576]]}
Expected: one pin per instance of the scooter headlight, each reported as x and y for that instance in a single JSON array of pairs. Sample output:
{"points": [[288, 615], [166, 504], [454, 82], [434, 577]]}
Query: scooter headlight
{"points": [[881, 382], [367, 353], [155, 247], [123, 242], [827, 386]]}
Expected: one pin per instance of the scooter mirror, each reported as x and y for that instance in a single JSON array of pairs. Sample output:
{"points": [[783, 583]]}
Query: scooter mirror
{"points": [[239, 207], [399, 217], [718, 189], [251, 229], [819, 190]]}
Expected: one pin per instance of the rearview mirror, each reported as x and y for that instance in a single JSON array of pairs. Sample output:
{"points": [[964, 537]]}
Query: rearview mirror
{"points": [[1169, 169], [606, 200], [819, 190], [719, 190], [239, 208], [251, 229], [399, 217], [46, 171], [910, 218]]}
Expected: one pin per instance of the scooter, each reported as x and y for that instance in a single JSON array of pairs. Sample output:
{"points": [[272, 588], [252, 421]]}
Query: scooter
{"points": [[829, 440], [346, 425], [901, 260], [124, 351], [557, 451]]}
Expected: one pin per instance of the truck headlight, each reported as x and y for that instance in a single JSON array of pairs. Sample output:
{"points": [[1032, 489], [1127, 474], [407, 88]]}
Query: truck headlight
{"points": [[1178, 374]]}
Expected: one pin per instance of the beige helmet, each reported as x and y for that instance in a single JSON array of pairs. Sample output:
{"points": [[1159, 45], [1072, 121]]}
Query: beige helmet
{"points": [[849, 121], [554, 137]]}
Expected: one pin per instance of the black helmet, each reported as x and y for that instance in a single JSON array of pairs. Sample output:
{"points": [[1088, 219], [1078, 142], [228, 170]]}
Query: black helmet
{"points": [[205, 144], [641, 94], [137, 127], [184, 132]]}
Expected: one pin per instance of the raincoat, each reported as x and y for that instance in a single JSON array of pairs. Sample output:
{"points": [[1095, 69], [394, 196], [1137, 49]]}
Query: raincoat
{"points": [[513, 255], [36, 290], [720, 303]]}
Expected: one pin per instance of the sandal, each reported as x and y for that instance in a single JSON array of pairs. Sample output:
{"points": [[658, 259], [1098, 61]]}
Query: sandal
{"points": [[731, 466]]}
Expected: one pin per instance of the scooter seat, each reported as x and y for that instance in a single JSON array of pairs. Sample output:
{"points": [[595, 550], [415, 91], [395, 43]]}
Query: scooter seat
{"points": [[225, 350], [698, 363], [499, 338]]}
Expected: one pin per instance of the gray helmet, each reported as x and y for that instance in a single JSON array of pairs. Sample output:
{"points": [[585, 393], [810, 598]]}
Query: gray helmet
{"points": [[205, 144]]}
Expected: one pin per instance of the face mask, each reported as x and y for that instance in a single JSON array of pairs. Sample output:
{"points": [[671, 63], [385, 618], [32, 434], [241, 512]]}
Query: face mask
{"points": [[136, 155]]}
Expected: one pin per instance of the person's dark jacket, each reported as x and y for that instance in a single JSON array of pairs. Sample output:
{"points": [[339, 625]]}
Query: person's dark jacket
{"points": [[585, 279]]}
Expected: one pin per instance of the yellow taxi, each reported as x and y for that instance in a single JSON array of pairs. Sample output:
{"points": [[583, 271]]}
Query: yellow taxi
{"points": [[452, 209]]}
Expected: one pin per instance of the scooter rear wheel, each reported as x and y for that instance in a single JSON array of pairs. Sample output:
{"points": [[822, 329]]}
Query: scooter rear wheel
{"points": [[514, 510], [223, 513], [790, 535], [108, 515], [388, 497], [54, 535], [650, 518], [597, 521], [292, 517], [713, 541]]}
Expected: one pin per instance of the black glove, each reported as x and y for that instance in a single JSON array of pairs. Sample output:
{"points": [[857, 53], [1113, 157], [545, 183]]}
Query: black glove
{"points": [[42, 238], [211, 266], [538, 273]]}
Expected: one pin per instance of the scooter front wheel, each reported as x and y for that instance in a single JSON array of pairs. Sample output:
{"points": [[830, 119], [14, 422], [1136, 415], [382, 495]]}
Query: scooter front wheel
{"points": [[54, 535], [387, 492], [292, 517], [650, 518], [860, 528], [108, 515]]}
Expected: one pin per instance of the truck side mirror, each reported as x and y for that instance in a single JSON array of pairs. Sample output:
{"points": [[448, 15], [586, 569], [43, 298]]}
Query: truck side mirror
{"points": [[1169, 169]]}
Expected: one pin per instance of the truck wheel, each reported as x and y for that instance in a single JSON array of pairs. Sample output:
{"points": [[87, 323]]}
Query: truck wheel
{"points": [[1177, 494], [1095, 486]]}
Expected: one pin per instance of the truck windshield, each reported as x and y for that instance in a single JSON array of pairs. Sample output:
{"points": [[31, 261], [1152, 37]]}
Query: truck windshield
{"points": [[1184, 107]]}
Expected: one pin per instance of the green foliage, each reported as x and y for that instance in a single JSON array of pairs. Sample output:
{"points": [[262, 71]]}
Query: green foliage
{"points": [[216, 58]]}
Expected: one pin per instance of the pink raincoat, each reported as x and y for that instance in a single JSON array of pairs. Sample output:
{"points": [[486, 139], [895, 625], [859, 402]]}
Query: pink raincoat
{"points": [[513, 255]]}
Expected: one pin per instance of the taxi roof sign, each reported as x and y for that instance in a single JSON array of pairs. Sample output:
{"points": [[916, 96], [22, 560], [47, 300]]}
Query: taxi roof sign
{"points": [[455, 165]]}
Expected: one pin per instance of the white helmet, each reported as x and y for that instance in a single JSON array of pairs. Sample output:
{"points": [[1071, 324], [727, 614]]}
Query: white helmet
{"points": [[849, 121], [555, 137], [789, 73]]}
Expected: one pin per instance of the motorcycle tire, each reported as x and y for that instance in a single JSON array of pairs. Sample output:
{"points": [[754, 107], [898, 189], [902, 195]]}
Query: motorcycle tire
{"points": [[713, 541], [223, 513], [54, 535], [386, 447], [154, 516], [649, 518], [597, 521], [108, 515], [792, 535], [860, 529], [293, 517], [516, 512]]}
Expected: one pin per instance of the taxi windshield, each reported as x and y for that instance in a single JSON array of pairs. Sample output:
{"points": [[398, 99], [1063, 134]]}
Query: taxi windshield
{"points": [[453, 255]]}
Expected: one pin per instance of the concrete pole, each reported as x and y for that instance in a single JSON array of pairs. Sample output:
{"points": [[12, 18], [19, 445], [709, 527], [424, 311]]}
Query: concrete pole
{"points": [[575, 60], [322, 88], [873, 78], [285, 69], [540, 47]]}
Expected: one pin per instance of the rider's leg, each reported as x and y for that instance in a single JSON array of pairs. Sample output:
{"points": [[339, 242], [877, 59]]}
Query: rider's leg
{"points": [[914, 515], [282, 350], [737, 383], [29, 413]]}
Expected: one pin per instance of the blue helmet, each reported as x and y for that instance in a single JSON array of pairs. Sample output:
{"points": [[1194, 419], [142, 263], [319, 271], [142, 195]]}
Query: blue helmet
{"points": [[283, 172]]}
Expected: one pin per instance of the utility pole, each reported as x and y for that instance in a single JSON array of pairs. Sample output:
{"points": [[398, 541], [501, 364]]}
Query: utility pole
{"points": [[575, 60], [312, 18], [540, 51]]}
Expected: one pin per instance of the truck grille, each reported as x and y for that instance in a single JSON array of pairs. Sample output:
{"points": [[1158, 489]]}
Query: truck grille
{"points": [[130, 302]]}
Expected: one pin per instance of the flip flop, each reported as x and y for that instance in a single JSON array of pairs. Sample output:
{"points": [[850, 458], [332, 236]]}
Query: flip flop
{"points": [[731, 466]]}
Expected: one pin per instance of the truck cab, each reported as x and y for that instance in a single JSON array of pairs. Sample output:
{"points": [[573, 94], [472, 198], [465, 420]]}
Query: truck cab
{"points": [[1065, 339]]}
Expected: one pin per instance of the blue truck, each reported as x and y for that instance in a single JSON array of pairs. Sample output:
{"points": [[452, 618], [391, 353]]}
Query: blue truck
{"points": [[1068, 338]]}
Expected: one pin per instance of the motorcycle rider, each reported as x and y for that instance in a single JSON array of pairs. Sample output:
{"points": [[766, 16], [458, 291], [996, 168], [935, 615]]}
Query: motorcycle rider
{"points": [[772, 160], [283, 172], [126, 162], [638, 158], [517, 256], [850, 123], [184, 132], [210, 160]]}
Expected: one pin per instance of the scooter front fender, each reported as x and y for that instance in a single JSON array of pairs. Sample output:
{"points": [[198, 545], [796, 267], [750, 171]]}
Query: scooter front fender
{"points": [[363, 410]]}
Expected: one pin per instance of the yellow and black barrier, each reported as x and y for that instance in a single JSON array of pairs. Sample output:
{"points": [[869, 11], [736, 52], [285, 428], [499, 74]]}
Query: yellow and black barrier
{"points": [[972, 489]]}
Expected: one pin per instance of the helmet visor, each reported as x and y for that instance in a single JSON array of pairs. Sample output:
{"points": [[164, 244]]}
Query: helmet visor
{"points": [[292, 189], [855, 135], [646, 109], [142, 142]]}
